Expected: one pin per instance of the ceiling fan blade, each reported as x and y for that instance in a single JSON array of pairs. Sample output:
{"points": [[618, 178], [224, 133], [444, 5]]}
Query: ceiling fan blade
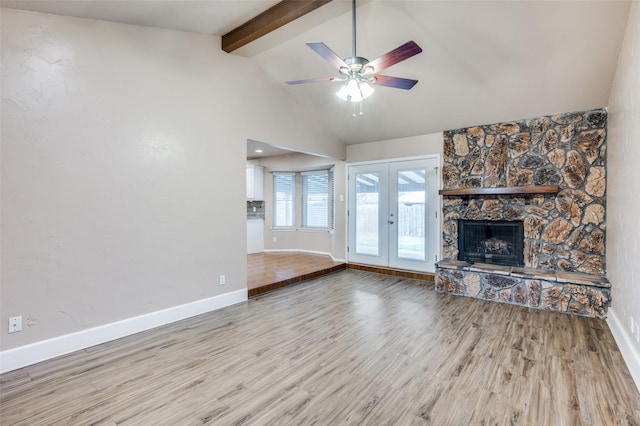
{"points": [[311, 80], [328, 55], [395, 82], [399, 54]]}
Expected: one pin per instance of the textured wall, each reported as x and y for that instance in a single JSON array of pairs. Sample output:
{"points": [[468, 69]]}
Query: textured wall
{"points": [[564, 231], [623, 222], [412, 146], [123, 169]]}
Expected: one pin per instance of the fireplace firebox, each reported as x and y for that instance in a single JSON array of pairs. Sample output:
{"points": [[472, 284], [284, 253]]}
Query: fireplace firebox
{"points": [[486, 241]]}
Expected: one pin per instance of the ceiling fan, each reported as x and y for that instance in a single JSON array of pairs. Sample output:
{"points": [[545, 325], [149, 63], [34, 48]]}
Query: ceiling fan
{"points": [[359, 73]]}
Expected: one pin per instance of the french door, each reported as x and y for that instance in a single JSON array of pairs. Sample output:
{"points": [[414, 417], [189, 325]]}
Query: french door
{"points": [[393, 214]]}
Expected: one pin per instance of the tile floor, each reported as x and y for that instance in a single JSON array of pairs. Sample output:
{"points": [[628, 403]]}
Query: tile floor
{"points": [[269, 271]]}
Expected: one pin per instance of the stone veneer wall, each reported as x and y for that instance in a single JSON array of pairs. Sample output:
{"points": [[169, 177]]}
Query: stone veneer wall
{"points": [[563, 232]]}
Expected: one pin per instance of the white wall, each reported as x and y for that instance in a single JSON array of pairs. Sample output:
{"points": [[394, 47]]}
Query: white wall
{"points": [[412, 146], [123, 169], [332, 243], [623, 203]]}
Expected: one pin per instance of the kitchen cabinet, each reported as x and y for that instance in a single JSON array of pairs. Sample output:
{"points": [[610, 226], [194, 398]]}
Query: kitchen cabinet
{"points": [[255, 236], [255, 183]]}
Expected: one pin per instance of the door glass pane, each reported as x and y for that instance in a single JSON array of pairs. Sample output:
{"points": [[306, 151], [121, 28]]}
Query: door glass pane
{"points": [[411, 211], [367, 196]]}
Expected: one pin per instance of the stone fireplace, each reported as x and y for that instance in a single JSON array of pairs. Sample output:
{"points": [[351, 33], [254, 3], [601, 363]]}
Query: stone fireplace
{"points": [[549, 174]]}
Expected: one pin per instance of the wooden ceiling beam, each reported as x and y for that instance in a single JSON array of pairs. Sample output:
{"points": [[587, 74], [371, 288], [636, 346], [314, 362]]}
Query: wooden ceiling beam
{"points": [[269, 20]]}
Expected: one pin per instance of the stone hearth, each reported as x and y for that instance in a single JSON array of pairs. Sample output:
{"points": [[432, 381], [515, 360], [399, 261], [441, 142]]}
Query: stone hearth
{"points": [[570, 292], [563, 232]]}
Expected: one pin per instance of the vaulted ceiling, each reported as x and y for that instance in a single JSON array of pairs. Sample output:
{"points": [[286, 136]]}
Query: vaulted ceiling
{"points": [[482, 61]]}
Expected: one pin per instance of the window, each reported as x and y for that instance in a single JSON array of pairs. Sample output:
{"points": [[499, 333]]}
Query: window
{"points": [[316, 209], [283, 196], [317, 199]]}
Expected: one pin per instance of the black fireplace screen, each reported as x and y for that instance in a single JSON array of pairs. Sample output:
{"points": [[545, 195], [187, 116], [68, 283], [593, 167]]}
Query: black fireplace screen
{"points": [[497, 242]]}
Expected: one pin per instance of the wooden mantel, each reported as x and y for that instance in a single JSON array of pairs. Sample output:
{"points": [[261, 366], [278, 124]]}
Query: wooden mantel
{"points": [[508, 190]]}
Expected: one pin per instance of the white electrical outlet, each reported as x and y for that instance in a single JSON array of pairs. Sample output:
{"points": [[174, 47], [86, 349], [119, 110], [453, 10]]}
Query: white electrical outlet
{"points": [[275, 239], [15, 324], [223, 280]]}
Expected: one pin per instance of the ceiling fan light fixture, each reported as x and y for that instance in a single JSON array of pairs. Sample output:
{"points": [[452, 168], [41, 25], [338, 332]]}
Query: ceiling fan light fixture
{"points": [[366, 90], [358, 73], [355, 91]]}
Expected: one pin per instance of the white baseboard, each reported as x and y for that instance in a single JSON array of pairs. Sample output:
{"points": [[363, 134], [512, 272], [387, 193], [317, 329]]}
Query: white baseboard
{"points": [[22, 356], [323, 253], [625, 343]]}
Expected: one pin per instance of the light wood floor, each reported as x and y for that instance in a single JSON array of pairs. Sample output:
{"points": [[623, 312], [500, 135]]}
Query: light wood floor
{"points": [[265, 269], [349, 348]]}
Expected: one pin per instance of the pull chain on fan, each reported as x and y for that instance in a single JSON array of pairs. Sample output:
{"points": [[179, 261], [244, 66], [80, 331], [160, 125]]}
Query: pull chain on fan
{"points": [[358, 74]]}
